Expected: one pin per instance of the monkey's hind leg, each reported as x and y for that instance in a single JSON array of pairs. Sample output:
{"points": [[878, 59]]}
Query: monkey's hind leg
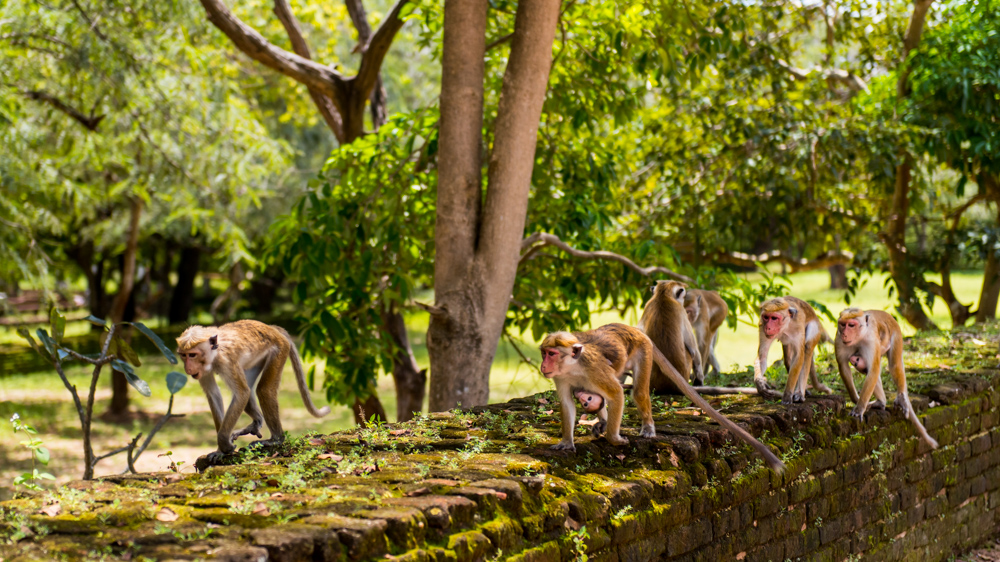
{"points": [[267, 393], [252, 409]]}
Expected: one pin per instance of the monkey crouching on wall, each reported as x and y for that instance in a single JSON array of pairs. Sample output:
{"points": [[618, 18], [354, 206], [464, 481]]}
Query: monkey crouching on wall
{"points": [[245, 354]]}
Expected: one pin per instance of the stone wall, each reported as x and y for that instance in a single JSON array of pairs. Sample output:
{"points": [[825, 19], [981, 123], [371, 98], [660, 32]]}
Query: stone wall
{"points": [[483, 485]]}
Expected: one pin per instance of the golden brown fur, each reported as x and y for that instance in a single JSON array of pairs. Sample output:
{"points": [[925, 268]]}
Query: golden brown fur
{"points": [[863, 338], [666, 323], [244, 354], [707, 312], [794, 323], [594, 361]]}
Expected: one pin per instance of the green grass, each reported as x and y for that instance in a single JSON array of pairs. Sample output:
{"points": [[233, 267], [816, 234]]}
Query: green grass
{"points": [[42, 401]]}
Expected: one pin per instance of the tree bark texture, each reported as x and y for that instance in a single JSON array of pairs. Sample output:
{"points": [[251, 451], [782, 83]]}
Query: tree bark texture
{"points": [[478, 253], [990, 293], [903, 274]]}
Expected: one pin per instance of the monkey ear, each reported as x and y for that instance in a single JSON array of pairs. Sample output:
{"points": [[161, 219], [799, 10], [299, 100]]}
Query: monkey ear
{"points": [[577, 350], [866, 319], [792, 311], [679, 294], [698, 299], [214, 341]]}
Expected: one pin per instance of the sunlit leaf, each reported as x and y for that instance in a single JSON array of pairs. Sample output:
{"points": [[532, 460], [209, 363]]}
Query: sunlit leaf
{"points": [[58, 324]]}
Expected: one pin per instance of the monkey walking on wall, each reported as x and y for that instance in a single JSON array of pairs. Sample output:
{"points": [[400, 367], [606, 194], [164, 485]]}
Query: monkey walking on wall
{"points": [[794, 323], [863, 337], [589, 364], [244, 354]]}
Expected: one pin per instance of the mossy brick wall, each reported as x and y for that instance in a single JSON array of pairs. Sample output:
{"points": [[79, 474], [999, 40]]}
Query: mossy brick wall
{"points": [[483, 485]]}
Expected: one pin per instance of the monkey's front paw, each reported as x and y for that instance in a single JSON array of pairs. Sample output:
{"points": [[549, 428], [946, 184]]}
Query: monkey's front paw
{"points": [[792, 398], [598, 428], [903, 406], [215, 457], [876, 405], [698, 382], [563, 446], [252, 429], [616, 440], [858, 414], [648, 431]]}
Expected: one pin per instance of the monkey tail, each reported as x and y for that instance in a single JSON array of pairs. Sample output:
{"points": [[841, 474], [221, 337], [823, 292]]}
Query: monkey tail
{"points": [[300, 377], [915, 420], [770, 458], [725, 390]]}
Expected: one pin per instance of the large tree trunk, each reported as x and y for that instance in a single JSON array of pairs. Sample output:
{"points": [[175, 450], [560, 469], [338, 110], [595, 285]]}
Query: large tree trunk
{"points": [[903, 274], [182, 298], [118, 409], [477, 254], [990, 293]]}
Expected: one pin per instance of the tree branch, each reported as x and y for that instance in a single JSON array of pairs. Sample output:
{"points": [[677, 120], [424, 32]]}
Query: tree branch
{"points": [[377, 97], [854, 83], [322, 102], [90, 122], [377, 46], [254, 45], [533, 243], [823, 261]]}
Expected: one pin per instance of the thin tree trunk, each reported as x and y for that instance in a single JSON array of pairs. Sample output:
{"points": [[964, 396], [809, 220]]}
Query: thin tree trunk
{"points": [[477, 256], [410, 380], [902, 272], [182, 298], [119, 385]]}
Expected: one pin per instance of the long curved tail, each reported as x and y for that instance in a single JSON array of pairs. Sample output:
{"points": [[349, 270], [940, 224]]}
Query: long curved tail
{"points": [[769, 457], [300, 377], [915, 420]]}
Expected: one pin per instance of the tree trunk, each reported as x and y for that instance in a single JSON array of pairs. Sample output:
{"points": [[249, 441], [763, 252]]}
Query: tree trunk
{"points": [[182, 298], [902, 272], [477, 254], [410, 380], [838, 276], [990, 293], [92, 265], [118, 408], [368, 410]]}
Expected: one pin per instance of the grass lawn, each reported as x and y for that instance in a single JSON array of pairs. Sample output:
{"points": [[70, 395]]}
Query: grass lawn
{"points": [[42, 401]]}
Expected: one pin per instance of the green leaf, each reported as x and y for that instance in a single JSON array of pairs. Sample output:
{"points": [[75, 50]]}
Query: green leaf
{"points": [[24, 333], [58, 324], [137, 383], [96, 321], [50, 345], [125, 351], [176, 381], [42, 454], [156, 340]]}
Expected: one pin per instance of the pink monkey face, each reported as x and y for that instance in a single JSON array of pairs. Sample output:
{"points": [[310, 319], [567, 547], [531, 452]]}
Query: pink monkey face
{"points": [[773, 323], [550, 361], [590, 403], [850, 330]]}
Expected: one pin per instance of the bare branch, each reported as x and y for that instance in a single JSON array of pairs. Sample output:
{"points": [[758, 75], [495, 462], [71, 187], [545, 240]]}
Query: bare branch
{"points": [[92, 23], [539, 239], [323, 103], [832, 257], [254, 45], [513, 344], [852, 82], [499, 41], [89, 122], [433, 310], [376, 48], [377, 97]]}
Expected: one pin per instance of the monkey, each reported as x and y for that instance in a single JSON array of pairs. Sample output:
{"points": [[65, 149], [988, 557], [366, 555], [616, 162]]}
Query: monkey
{"points": [[795, 324], [245, 354], [665, 321], [592, 362], [863, 337], [706, 311]]}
